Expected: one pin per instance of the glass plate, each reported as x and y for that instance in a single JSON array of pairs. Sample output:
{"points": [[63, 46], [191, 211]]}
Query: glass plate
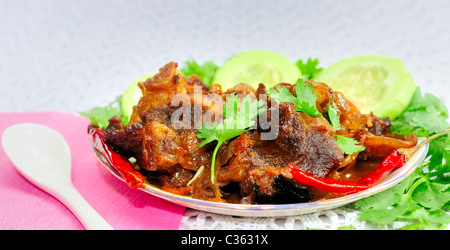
{"points": [[284, 209]]}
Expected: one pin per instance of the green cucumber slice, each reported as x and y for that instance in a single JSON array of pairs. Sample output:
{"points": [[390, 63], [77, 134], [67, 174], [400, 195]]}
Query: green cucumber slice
{"points": [[255, 67], [374, 83], [132, 95]]}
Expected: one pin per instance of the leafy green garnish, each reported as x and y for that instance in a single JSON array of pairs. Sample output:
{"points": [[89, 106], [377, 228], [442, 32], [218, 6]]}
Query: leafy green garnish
{"points": [[310, 68], [349, 227], [348, 145], [425, 115], [305, 101], [236, 122], [422, 199], [100, 116], [333, 116], [206, 71]]}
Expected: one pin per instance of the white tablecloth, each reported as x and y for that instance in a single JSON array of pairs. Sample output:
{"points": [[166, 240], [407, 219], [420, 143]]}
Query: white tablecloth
{"points": [[73, 55]]}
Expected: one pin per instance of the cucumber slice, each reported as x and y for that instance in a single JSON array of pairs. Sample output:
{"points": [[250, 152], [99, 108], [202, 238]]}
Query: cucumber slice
{"points": [[374, 83], [132, 95], [255, 67]]}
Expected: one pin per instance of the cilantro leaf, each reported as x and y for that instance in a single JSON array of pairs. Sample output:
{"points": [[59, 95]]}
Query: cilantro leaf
{"points": [[423, 198], [309, 69], [281, 94], [209, 133], [231, 107], [425, 115], [100, 116], [432, 194], [306, 98], [407, 202], [304, 101], [349, 145], [333, 116], [236, 122], [206, 72], [385, 207]]}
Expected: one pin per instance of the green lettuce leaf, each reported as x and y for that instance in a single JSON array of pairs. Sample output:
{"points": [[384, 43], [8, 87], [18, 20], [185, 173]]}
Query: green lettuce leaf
{"points": [[99, 116], [206, 71]]}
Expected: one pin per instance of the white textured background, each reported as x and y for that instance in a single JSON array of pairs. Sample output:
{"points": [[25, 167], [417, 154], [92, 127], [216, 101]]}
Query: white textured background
{"points": [[72, 55]]}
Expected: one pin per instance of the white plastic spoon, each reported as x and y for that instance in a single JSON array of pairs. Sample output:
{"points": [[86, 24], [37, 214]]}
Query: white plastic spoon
{"points": [[42, 156]]}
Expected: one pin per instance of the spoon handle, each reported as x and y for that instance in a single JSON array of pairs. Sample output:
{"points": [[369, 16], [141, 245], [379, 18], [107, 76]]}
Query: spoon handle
{"points": [[88, 217]]}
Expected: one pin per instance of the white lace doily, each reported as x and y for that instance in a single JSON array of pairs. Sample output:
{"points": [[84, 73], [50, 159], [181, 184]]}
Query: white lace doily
{"points": [[330, 219]]}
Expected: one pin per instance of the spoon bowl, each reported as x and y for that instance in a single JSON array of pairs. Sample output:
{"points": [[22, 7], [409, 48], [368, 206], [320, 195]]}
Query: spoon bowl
{"points": [[42, 156]]}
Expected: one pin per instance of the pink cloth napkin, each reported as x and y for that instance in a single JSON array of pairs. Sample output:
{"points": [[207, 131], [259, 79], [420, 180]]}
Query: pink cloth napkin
{"points": [[25, 206]]}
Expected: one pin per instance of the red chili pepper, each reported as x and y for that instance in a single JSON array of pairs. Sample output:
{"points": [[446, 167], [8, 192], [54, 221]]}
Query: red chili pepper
{"points": [[325, 184], [391, 162], [133, 178]]}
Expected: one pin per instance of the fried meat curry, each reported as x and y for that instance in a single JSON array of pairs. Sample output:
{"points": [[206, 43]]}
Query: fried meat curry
{"points": [[249, 168]]}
